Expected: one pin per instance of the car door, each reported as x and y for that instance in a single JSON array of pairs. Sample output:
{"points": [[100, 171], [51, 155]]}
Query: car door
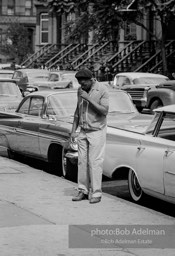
{"points": [[167, 133], [28, 127], [150, 163], [169, 170]]}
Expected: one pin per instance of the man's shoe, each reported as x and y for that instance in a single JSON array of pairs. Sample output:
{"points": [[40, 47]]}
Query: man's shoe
{"points": [[95, 200], [80, 196]]}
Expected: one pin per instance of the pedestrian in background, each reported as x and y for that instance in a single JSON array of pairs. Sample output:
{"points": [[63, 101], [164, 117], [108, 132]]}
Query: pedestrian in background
{"points": [[91, 116]]}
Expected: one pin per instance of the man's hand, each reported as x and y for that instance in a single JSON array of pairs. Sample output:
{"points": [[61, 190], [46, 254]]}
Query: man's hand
{"points": [[73, 137], [84, 94]]}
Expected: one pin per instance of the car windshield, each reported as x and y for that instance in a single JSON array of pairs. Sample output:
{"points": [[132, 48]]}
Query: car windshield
{"points": [[153, 123], [149, 80], [167, 128], [62, 105], [120, 101], [38, 75], [68, 77], [9, 89], [65, 104]]}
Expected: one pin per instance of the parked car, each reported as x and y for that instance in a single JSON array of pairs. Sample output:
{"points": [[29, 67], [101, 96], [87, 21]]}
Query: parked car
{"points": [[27, 77], [145, 159], [139, 85], [10, 95], [56, 80], [161, 95], [41, 126], [6, 73]]}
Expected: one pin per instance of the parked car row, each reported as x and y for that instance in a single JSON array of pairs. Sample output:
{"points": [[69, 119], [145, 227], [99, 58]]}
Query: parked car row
{"points": [[30, 80], [139, 147]]}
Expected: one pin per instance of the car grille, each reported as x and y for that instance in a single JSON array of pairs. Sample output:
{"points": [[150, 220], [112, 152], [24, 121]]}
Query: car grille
{"points": [[136, 94]]}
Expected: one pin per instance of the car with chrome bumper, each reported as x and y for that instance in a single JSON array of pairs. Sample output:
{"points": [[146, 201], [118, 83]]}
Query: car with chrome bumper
{"points": [[139, 85], [145, 159], [41, 126]]}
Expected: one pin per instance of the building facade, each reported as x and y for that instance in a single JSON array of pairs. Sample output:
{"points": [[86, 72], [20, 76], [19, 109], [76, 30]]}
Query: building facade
{"points": [[17, 11]]}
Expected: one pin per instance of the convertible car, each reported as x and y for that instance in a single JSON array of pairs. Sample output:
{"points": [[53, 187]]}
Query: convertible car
{"points": [[40, 127], [145, 159]]}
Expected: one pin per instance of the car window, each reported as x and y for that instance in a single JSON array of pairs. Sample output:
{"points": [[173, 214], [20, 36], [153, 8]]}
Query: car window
{"points": [[32, 106], [53, 77], [24, 108], [9, 89], [122, 80], [36, 106], [17, 74], [167, 128]]}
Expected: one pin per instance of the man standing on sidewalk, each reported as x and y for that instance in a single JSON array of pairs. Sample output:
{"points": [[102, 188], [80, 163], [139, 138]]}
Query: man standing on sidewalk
{"points": [[91, 116]]}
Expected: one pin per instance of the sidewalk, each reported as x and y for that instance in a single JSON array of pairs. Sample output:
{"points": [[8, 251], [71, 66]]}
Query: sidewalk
{"points": [[36, 211]]}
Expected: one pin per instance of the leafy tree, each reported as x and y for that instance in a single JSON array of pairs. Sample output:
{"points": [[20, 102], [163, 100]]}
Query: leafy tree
{"points": [[92, 15], [16, 43], [162, 10]]}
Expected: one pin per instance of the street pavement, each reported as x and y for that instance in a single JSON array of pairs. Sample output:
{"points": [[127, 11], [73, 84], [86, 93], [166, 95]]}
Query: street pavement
{"points": [[36, 212]]}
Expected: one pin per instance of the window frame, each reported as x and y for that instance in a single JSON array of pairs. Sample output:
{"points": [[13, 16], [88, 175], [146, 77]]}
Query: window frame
{"points": [[42, 31]]}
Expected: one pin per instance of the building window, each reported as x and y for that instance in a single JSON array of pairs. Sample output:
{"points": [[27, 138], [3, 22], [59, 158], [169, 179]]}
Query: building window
{"points": [[11, 7], [130, 31], [44, 26], [28, 8]]}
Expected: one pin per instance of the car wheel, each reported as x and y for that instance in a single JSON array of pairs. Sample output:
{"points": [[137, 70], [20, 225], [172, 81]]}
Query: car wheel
{"points": [[156, 104], [70, 169], [135, 190]]}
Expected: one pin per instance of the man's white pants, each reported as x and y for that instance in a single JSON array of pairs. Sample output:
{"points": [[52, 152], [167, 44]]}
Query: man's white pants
{"points": [[91, 149]]}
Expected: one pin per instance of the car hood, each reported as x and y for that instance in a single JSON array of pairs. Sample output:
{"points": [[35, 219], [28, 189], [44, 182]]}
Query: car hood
{"points": [[132, 122], [143, 86]]}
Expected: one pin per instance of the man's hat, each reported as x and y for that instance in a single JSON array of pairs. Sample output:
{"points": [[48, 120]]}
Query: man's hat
{"points": [[84, 73]]}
